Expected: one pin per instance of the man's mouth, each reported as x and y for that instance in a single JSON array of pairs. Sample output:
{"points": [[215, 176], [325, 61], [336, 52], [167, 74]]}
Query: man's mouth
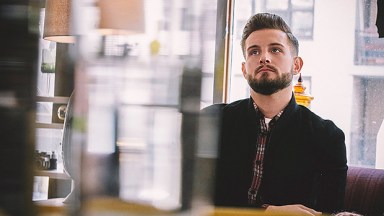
{"points": [[266, 69]]}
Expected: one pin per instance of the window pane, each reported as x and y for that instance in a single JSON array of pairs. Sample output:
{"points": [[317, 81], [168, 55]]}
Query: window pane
{"points": [[369, 48], [277, 5], [302, 4], [302, 23], [367, 117]]}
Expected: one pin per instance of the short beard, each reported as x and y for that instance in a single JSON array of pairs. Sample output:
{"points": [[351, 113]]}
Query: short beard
{"points": [[267, 86]]}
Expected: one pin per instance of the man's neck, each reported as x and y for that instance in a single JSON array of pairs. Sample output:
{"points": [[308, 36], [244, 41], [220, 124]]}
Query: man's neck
{"points": [[271, 105]]}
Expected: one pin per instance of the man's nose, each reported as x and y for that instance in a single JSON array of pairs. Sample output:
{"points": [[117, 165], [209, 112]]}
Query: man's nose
{"points": [[264, 59]]}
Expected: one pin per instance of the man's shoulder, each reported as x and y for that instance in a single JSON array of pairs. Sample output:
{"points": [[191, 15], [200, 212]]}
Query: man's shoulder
{"points": [[235, 108], [239, 104], [230, 107], [316, 120]]}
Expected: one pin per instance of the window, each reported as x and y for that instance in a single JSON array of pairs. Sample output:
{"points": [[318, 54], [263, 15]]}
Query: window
{"points": [[297, 13], [367, 118], [367, 114], [369, 49]]}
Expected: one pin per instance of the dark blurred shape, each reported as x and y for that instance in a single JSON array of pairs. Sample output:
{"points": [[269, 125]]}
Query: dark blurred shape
{"points": [[189, 105], [207, 152], [380, 18], [18, 66]]}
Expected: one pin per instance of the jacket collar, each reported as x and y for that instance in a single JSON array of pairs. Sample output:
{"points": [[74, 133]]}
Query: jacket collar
{"points": [[288, 110]]}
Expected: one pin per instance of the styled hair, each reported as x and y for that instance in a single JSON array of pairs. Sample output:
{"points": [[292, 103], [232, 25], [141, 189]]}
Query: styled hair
{"points": [[268, 21]]}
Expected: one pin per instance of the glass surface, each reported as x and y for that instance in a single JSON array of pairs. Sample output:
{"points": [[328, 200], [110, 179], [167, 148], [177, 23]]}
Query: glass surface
{"points": [[140, 96], [342, 70]]}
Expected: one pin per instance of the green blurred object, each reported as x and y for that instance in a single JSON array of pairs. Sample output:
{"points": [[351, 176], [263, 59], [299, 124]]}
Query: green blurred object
{"points": [[48, 62]]}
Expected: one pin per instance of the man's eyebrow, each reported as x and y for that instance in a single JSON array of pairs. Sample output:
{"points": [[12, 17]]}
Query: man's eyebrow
{"points": [[253, 46], [271, 44], [276, 44]]}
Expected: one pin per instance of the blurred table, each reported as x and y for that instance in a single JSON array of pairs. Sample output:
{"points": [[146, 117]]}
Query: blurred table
{"points": [[115, 207]]}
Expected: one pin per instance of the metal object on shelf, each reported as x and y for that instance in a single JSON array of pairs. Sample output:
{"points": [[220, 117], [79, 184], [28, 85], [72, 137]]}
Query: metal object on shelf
{"points": [[61, 111]]}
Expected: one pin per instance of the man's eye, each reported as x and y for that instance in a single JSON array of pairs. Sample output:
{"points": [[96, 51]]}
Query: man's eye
{"points": [[254, 52], [276, 50]]}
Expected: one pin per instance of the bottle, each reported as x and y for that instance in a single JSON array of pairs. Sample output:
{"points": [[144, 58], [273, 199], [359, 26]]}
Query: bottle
{"points": [[53, 161]]}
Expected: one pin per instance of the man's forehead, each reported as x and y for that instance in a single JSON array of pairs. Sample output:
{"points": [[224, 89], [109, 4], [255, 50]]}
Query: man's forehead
{"points": [[267, 37]]}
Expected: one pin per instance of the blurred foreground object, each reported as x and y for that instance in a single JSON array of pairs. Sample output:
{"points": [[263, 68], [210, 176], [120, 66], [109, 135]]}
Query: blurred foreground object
{"points": [[380, 18], [136, 108], [18, 66], [121, 16]]}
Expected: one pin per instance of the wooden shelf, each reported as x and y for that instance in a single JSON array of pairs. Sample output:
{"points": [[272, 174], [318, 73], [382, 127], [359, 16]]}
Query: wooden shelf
{"points": [[55, 174], [50, 125], [55, 99]]}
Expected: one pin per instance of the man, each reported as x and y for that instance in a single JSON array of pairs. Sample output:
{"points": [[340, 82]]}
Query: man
{"points": [[273, 153]]}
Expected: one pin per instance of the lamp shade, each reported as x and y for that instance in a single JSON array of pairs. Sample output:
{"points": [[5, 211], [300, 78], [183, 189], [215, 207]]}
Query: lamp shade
{"points": [[121, 16], [57, 21]]}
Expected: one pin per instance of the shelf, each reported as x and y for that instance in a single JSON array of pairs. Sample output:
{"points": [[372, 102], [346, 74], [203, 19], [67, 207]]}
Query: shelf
{"points": [[52, 174], [50, 125], [56, 99], [55, 174]]}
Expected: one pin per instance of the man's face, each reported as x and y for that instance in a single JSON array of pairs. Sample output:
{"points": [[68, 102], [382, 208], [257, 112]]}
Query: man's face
{"points": [[269, 62]]}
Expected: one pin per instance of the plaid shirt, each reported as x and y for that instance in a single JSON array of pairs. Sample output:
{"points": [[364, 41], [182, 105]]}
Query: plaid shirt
{"points": [[262, 141]]}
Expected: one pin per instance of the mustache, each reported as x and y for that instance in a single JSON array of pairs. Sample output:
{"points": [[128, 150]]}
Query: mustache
{"points": [[272, 68]]}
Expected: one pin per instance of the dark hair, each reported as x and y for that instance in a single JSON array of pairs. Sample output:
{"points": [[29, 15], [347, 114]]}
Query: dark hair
{"points": [[268, 21]]}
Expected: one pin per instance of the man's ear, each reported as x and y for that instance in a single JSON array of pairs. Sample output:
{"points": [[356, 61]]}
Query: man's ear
{"points": [[297, 65], [243, 69]]}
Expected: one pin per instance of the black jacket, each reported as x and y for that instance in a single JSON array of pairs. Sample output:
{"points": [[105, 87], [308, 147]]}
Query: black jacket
{"points": [[304, 163]]}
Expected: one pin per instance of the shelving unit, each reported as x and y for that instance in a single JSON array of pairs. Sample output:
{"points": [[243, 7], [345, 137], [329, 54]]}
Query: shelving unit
{"points": [[58, 177], [59, 183]]}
